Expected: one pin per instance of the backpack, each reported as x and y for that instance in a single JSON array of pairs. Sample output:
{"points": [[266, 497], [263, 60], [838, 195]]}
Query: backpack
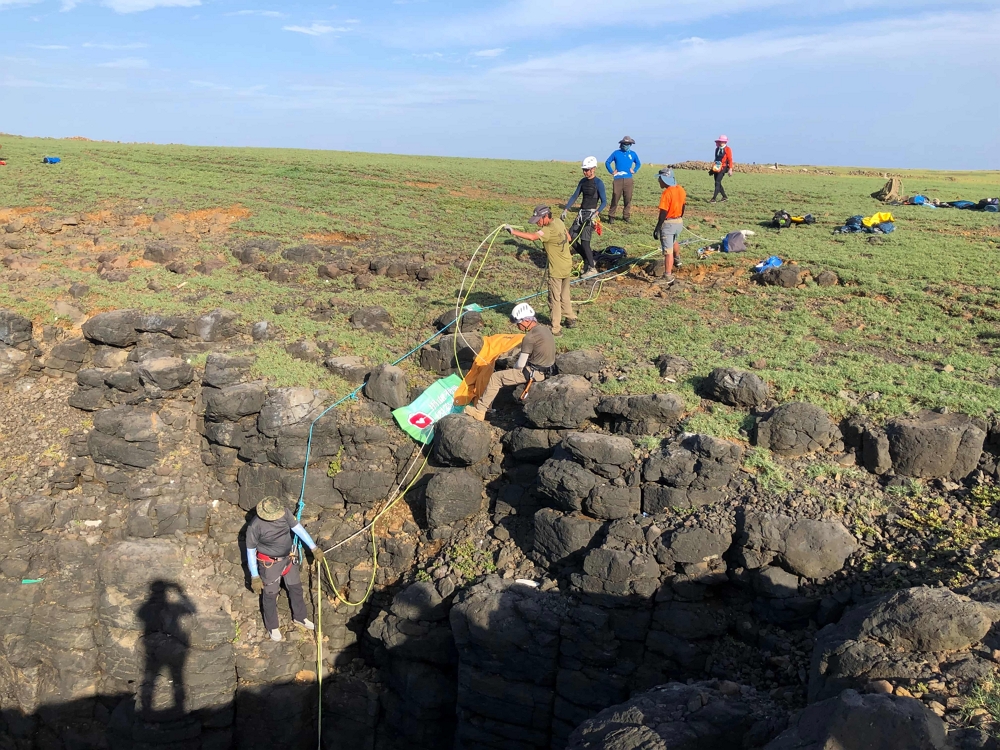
{"points": [[734, 242], [782, 219], [772, 262]]}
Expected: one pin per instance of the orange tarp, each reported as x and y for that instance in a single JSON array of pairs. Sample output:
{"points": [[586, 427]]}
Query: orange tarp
{"points": [[476, 379]]}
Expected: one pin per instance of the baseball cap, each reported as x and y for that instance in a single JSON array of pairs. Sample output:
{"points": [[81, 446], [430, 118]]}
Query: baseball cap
{"points": [[540, 213]]}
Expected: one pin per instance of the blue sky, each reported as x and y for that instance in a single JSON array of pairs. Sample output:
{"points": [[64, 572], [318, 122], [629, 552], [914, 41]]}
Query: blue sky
{"points": [[851, 82]]}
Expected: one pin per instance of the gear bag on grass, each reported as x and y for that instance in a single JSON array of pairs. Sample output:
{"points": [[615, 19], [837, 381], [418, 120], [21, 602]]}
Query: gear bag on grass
{"points": [[734, 242]]}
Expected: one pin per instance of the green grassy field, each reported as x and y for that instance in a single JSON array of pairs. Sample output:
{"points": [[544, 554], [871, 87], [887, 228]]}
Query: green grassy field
{"points": [[915, 319]]}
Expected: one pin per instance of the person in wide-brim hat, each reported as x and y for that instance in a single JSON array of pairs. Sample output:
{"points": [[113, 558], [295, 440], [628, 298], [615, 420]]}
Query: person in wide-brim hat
{"points": [[270, 542]]}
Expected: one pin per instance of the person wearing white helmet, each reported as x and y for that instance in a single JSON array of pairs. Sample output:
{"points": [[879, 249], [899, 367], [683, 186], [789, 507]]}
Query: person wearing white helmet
{"points": [[593, 202], [555, 241], [536, 361]]}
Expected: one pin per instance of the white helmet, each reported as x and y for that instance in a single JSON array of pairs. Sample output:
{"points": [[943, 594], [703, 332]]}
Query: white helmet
{"points": [[589, 163], [522, 311]]}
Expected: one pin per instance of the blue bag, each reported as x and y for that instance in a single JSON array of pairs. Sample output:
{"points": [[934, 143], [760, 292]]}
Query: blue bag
{"points": [[773, 262], [51, 160]]}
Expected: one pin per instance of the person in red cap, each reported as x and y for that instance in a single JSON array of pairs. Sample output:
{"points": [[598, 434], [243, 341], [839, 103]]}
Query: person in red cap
{"points": [[722, 166]]}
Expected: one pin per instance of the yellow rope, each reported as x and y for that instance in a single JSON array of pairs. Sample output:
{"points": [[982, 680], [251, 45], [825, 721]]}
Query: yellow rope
{"points": [[371, 585]]}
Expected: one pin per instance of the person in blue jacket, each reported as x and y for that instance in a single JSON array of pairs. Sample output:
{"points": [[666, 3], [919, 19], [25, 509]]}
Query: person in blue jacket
{"points": [[622, 165], [593, 202], [269, 559]]}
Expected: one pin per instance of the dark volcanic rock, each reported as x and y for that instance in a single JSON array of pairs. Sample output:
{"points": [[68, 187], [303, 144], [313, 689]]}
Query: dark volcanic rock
{"points": [[14, 329], [215, 326], [672, 366], [350, 368], [734, 387], [167, 373], [235, 401], [579, 362], [565, 401], [387, 385], [559, 536], [933, 445], [471, 321], [891, 637], [115, 328], [810, 548], [222, 370], [641, 415], [125, 436], [675, 716], [452, 495], [787, 276], [566, 482], [375, 319], [851, 720], [461, 440], [159, 251], [694, 471], [798, 428]]}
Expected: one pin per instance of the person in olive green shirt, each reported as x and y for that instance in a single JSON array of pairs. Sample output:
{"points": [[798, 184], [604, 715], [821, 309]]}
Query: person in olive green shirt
{"points": [[556, 241]]}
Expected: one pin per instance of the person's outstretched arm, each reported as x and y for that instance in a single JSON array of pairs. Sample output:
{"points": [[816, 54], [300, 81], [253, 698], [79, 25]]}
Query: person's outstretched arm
{"points": [[532, 236], [572, 198]]}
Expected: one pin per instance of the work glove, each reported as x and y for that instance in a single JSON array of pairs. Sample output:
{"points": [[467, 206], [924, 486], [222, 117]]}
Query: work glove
{"points": [[318, 556], [564, 214], [257, 585], [656, 233], [508, 228]]}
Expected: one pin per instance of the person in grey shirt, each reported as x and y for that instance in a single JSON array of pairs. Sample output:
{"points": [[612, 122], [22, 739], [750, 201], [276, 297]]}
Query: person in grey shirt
{"points": [[269, 559]]}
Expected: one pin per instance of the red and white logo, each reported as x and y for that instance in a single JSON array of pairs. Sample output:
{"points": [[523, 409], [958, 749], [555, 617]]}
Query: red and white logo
{"points": [[421, 421]]}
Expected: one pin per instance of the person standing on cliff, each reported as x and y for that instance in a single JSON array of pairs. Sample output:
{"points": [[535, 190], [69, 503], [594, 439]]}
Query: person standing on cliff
{"points": [[269, 559]]}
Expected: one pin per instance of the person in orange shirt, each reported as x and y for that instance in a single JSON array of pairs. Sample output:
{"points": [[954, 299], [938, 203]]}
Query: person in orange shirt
{"points": [[670, 222]]}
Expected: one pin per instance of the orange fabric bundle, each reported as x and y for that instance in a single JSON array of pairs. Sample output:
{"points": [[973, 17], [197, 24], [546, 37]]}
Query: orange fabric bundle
{"points": [[479, 375]]}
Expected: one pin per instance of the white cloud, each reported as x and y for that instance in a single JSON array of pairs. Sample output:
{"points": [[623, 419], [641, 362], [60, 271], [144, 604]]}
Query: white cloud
{"points": [[14, 3], [126, 63], [316, 29], [210, 85], [495, 52], [137, 6], [47, 46], [264, 13], [68, 5], [130, 45], [517, 19]]}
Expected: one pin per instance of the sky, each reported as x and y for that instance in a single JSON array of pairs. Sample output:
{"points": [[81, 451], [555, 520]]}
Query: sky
{"points": [[878, 83]]}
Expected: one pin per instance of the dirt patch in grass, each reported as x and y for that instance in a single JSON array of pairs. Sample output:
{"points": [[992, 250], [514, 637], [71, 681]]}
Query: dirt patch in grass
{"points": [[10, 214], [423, 185], [334, 238]]}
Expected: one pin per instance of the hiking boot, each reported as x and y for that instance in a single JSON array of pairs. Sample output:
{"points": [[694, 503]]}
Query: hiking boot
{"points": [[475, 413], [627, 221], [557, 334], [276, 635], [306, 624], [712, 200], [611, 220], [588, 274], [723, 200], [570, 323], [677, 262]]}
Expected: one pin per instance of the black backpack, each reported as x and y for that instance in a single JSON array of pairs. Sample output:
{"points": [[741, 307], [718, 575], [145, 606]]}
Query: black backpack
{"points": [[781, 219]]}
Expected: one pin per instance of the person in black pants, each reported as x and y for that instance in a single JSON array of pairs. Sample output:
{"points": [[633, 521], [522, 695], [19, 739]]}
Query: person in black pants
{"points": [[722, 166], [594, 201]]}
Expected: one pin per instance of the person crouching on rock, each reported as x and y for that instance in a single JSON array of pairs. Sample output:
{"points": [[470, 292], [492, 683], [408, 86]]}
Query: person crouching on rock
{"points": [[537, 360], [269, 558]]}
